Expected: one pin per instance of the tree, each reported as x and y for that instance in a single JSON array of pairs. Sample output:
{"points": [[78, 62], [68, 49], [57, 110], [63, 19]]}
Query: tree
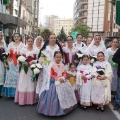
{"points": [[62, 35], [83, 28], [45, 34]]}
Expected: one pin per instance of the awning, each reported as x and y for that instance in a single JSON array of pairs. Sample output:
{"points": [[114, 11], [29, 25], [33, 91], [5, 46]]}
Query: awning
{"points": [[11, 21]]}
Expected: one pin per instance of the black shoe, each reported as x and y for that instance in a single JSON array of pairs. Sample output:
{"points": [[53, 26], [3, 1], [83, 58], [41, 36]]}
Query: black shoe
{"points": [[84, 107], [102, 109], [0, 96], [97, 108], [116, 107]]}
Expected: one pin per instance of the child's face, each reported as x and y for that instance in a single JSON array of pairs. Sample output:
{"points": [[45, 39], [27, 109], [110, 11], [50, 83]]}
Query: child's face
{"points": [[72, 68], [100, 57], [58, 58], [85, 61]]}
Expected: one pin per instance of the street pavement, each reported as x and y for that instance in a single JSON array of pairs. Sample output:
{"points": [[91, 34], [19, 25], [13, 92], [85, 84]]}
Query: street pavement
{"points": [[12, 111]]}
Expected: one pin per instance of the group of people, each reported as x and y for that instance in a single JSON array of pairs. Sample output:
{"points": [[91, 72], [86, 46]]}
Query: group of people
{"points": [[71, 74]]}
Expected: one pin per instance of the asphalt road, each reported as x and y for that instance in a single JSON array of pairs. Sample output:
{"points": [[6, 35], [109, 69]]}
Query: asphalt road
{"points": [[11, 111]]}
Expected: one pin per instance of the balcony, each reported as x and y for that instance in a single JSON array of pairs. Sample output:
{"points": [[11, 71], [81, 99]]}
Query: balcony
{"points": [[24, 18], [81, 16], [83, 1]]}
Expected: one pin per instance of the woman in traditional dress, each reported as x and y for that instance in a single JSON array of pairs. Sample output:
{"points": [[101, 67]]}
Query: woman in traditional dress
{"points": [[25, 92], [3, 48], [46, 58], [81, 47], [96, 46], [69, 52], [111, 51], [101, 84], [13, 72], [59, 99], [84, 81]]}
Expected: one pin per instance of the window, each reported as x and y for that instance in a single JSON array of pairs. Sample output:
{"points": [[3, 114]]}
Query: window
{"points": [[16, 12]]}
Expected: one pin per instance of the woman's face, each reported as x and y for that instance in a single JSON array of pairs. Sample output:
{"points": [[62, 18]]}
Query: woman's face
{"points": [[30, 42], [89, 40], [69, 41], [115, 43], [16, 37], [100, 57], [52, 40], [39, 41], [97, 40], [1, 36], [79, 39]]}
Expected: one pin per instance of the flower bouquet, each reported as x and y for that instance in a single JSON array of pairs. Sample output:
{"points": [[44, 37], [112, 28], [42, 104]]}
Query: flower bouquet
{"points": [[93, 59], [4, 57], [36, 70], [23, 63], [79, 55], [100, 71]]}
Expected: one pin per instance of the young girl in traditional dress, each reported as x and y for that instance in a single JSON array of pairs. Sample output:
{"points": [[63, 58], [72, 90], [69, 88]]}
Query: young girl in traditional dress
{"points": [[13, 72], [101, 85], [3, 49], [71, 76], [69, 52], [84, 81], [111, 51], [59, 99], [25, 92]]}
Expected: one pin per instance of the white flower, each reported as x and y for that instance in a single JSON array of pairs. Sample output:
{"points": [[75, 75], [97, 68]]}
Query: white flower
{"points": [[21, 59], [94, 57], [33, 66], [79, 55], [39, 65], [92, 60], [5, 53], [36, 71], [101, 70]]}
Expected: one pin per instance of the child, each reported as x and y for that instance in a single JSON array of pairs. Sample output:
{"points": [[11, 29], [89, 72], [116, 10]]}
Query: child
{"points": [[71, 75], [101, 86], [84, 76], [59, 99]]}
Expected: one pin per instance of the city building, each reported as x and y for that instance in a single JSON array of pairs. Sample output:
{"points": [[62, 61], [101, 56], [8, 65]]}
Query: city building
{"points": [[96, 14], [51, 22], [67, 24]]}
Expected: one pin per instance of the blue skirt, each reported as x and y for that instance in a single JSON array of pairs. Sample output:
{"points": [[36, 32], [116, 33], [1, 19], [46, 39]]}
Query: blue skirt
{"points": [[49, 104]]}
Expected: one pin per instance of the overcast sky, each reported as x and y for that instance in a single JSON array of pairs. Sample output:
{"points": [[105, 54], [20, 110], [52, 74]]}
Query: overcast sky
{"points": [[61, 8]]}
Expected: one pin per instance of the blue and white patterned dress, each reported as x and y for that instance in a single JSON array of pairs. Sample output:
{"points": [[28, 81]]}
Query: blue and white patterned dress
{"points": [[13, 72]]}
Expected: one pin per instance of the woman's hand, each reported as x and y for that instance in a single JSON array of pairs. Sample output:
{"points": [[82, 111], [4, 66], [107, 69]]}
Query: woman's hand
{"points": [[61, 80], [101, 77], [31, 62], [83, 77]]}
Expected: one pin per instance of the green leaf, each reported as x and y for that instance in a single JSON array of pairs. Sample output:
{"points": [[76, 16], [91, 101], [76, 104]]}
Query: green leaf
{"points": [[25, 68]]}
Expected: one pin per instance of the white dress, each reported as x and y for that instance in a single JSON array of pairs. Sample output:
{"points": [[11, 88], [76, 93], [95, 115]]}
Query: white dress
{"points": [[3, 49], [81, 47], [101, 89], [25, 93], [85, 85]]}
